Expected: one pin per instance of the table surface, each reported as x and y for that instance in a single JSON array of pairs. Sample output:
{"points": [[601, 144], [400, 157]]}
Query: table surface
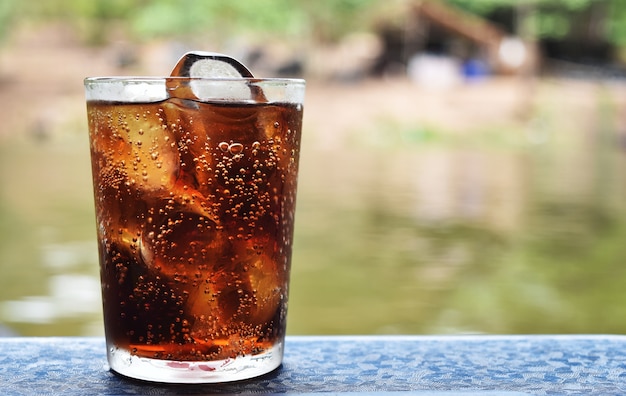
{"points": [[357, 365]]}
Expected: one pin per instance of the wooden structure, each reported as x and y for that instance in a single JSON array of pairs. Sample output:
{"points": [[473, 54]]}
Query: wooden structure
{"points": [[500, 50], [503, 53]]}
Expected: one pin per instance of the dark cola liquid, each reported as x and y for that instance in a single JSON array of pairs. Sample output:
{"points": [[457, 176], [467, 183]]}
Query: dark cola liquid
{"points": [[195, 205]]}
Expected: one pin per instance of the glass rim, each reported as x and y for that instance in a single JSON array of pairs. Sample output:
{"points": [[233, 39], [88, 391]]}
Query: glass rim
{"points": [[161, 79], [136, 89]]}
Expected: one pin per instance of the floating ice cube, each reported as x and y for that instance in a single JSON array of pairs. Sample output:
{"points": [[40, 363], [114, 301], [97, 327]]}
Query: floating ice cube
{"points": [[222, 89], [209, 65], [215, 77]]}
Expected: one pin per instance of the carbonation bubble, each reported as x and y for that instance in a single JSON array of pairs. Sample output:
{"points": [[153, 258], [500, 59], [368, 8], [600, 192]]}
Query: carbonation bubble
{"points": [[235, 148]]}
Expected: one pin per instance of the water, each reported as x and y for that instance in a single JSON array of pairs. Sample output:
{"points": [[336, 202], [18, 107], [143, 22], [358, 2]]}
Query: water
{"points": [[48, 254], [401, 227]]}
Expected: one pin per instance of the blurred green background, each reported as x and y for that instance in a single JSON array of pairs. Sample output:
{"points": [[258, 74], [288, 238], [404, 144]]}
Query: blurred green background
{"points": [[463, 164]]}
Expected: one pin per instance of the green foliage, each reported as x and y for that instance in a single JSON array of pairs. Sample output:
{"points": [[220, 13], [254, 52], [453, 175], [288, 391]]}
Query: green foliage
{"points": [[147, 19], [320, 20], [188, 17], [8, 12], [76, 9], [485, 6], [616, 25], [555, 18], [287, 17]]}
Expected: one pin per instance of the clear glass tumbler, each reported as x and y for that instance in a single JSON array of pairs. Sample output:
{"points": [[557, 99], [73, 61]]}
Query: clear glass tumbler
{"points": [[195, 189]]}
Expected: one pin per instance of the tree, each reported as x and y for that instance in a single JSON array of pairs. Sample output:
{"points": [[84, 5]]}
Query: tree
{"points": [[552, 19]]}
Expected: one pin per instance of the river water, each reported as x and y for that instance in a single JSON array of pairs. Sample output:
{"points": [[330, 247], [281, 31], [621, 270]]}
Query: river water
{"points": [[405, 228]]}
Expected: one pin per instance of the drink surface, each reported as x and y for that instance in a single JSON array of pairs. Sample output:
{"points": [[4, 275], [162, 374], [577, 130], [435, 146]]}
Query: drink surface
{"points": [[194, 205]]}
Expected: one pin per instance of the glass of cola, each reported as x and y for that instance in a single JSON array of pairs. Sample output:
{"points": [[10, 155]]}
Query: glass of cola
{"points": [[195, 190]]}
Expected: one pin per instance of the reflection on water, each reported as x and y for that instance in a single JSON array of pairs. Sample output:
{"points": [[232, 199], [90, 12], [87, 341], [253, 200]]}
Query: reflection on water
{"points": [[48, 257], [519, 231], [69, 295], [410, 230]]}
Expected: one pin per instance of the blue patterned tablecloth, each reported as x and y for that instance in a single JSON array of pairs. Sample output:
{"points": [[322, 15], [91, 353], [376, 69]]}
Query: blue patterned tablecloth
{"points": [[363, 365]]}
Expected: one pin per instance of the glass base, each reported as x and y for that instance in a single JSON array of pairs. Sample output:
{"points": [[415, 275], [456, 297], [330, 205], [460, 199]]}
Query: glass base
{"points": [[194, 372]]}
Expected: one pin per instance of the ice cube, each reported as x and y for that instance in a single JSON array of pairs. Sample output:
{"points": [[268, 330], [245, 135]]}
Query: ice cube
{"points": [[266, 283], [209, 65], [184, 245], [221, 90], [244, 296], [216, 77], [192, 142], [134, 149]]}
